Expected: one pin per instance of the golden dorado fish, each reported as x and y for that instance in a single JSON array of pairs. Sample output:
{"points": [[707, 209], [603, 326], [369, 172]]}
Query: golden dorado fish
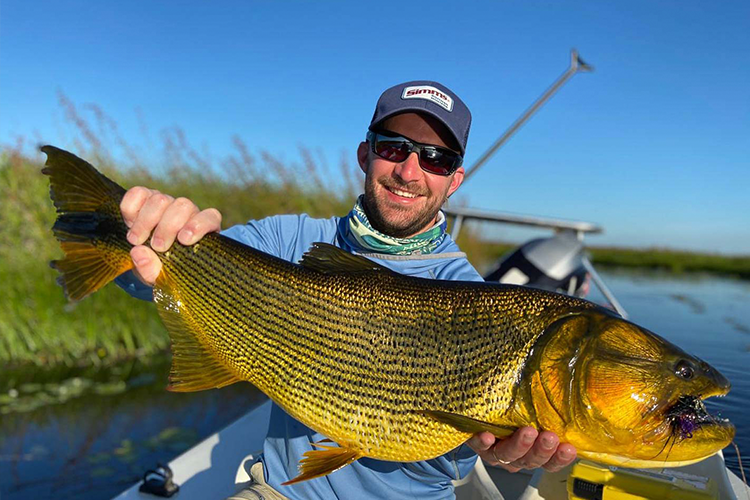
{"points": [[395, 367]]}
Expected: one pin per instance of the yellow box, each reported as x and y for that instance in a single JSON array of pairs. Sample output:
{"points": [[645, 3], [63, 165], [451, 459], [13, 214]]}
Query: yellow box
{"points": [[591, 481]]}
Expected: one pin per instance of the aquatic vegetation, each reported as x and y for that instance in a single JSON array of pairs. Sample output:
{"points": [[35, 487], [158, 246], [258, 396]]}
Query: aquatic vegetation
{"points": [[695, 305], [737, 325], [672, 260]]}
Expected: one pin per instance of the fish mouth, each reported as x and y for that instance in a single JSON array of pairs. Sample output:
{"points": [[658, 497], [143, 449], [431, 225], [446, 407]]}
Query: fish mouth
{"points": [[688, 415]]}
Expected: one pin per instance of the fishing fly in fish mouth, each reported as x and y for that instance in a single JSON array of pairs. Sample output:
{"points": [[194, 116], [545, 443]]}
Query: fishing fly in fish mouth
{"points": [[369, 358]]}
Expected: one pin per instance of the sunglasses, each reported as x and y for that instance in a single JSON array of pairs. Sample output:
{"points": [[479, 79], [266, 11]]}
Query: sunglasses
{"points": [[397, 148]]}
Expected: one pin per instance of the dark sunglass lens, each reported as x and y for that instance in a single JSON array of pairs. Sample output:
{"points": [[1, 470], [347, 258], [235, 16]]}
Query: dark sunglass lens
{"points": [[436, 161], [432, 159], [392, 150]]}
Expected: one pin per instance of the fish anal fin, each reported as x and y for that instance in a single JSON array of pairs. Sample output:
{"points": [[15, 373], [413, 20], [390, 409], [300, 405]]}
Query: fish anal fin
{"points": [[317, 463], [470, 425], [329, 259], [195, 367]]}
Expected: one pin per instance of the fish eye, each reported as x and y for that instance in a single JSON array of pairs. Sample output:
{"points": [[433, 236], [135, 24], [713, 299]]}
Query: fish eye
{"points": [[684, 370]]}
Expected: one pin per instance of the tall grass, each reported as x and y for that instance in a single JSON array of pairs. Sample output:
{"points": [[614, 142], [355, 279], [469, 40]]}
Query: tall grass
{"points": [[674, 261], [37, 326]]}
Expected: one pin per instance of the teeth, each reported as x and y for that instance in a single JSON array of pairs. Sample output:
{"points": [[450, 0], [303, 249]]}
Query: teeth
{"points": [[404, 194]]}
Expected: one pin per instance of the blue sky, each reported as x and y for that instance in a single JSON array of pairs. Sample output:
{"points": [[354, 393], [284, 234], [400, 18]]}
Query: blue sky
{"points": [[654, 145]]}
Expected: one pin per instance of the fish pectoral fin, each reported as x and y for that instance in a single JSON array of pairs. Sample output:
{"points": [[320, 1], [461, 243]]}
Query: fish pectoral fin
{"points": [[322, 462], [195, 367], [468, 424], [329, 259]]}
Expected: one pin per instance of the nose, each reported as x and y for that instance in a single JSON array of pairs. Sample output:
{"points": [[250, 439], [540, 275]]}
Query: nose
{"points": [[409, 169]]}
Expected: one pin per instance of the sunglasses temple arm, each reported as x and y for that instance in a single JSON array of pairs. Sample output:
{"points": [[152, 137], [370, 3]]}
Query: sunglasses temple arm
{"points": [[576, 64]]}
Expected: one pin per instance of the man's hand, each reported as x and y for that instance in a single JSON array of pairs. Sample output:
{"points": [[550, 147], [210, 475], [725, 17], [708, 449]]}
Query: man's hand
{"points": [[146, 210], [525, 449]]}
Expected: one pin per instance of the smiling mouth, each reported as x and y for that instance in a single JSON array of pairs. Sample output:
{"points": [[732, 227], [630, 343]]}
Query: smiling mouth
{"points": [[401, 192]]}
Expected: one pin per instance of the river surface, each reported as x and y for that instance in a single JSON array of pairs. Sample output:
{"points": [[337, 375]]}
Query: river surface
{"points": [[95, 443]]}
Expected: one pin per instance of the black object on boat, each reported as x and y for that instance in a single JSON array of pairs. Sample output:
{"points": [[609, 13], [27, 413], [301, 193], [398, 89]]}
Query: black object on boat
{"points": [[158, 482]]}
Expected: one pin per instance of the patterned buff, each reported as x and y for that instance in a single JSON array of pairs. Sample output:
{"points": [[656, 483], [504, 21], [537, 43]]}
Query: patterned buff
{"points": [[372, 239]]}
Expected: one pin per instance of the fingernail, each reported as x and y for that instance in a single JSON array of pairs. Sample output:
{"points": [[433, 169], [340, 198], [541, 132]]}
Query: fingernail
{"points": [[131, 238], [156, 243], [528, 439], [548, 443], [186, 236], [564, 455], [141, 262]]}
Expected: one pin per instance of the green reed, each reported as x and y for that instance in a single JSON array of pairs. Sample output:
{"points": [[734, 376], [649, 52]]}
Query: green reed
{"points": [[674, 261], [39, 327]]}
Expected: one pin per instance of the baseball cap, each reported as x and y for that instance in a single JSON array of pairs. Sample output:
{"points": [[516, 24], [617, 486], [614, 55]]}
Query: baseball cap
{"points": [[423, 96]]}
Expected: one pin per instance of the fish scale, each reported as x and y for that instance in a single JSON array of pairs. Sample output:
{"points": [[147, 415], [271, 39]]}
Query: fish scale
{"points": [[394, 367], [354, 376]]}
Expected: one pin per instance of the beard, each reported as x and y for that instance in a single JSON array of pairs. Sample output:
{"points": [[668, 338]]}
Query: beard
{"points": [[400, 221]]}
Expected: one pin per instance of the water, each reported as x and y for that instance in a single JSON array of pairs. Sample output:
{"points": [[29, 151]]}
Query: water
{"points": [[96, 443]]}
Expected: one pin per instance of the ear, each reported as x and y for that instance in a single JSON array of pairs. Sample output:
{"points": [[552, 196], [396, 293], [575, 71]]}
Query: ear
{"points": [[458, 178], [363, 151]]}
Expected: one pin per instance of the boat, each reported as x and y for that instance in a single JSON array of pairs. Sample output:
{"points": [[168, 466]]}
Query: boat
{"points": [[219, 466]]}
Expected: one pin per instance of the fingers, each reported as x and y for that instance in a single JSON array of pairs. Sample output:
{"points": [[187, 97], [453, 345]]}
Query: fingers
{"points": [[202, 223], [525, 449], [147, 264], [508, 453], [172, 220], [132, 202], [151, 211], [540, 452], [148, 211], [481, 442], [563, 457]]}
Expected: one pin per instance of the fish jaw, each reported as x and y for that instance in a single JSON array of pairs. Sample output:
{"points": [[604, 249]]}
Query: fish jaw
{"points": [[677, 452]]}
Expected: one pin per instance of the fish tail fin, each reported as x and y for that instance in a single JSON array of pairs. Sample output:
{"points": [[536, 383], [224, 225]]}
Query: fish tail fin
{"points": [[89, 225]]}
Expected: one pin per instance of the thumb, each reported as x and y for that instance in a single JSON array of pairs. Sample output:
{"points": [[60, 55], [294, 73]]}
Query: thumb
{"points": [[147, 264]]}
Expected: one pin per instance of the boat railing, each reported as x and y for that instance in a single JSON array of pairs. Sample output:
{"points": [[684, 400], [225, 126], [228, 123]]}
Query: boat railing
{"points": [[580, 228]]}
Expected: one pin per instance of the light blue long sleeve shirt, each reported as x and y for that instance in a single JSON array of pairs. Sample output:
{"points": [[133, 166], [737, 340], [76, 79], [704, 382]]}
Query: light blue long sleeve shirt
{"points": [[289, 237]]}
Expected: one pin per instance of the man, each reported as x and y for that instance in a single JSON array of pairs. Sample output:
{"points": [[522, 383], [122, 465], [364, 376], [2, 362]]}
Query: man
{"points": [[412, 163]]}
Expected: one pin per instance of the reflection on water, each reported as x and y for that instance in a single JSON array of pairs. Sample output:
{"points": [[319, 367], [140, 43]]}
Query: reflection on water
{"points": [[89, 440], [96, 445], [696, 306]]}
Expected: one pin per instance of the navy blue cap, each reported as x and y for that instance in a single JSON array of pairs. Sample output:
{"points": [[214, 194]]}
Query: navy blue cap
{"points": [[423, 96]]}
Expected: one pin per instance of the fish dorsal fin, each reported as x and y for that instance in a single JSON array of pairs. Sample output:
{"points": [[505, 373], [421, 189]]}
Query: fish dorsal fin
{"points": [[195, 367], [329, 259], [322, 462], [468, 424]]}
